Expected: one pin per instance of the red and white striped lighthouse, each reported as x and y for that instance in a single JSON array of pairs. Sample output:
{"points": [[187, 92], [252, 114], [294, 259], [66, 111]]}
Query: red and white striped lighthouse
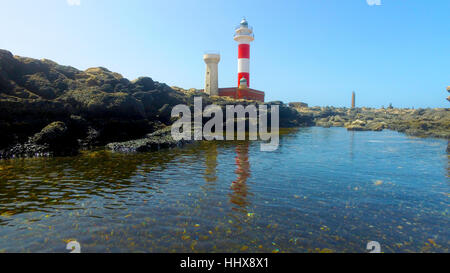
{"points": [[244, 36]]}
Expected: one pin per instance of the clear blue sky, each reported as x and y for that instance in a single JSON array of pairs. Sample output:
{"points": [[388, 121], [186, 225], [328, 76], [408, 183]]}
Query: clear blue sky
{"points": [[311, 51]]}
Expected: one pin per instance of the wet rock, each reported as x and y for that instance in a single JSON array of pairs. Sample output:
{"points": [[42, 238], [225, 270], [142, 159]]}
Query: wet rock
{"points": [[56, 138], [357, 125], [324, 122], [289, 117], [376, 126], [154, 141], [92, 138], [25, 150], [54, 132]]}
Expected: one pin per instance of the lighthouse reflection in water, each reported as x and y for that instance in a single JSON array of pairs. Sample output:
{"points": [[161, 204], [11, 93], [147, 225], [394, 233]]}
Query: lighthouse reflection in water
{"points": [[238, 195], [239, 186]]}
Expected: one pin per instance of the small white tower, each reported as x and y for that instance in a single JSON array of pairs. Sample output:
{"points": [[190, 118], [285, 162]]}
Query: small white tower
{"points": [[212, 73]]}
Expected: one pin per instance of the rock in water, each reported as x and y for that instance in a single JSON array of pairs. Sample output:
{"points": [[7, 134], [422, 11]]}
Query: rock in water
{"points": [[54, 132], [56, 138], [154, 141], [357, 125]]}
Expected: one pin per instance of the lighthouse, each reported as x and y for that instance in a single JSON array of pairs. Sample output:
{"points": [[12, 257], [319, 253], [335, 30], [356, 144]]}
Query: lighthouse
{"points": [[244, 36]]}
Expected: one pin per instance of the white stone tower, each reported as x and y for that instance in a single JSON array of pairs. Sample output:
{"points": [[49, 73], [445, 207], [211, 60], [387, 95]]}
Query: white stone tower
{"points": [[212, 73]]}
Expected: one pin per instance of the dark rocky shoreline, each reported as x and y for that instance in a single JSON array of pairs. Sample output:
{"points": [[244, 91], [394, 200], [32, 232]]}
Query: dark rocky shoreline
{"points": [[47, 109]]}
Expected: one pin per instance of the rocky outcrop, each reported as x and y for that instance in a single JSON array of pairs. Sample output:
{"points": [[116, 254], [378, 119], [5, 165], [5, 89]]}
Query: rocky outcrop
{"points": [[54, 132], [96, 106], [154, 141], [298, 105], [53, 139], [416, 122], [357, 125]]}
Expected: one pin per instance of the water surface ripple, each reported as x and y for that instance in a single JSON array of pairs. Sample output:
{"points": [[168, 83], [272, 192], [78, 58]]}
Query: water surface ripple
{"points": [[324, 189]]}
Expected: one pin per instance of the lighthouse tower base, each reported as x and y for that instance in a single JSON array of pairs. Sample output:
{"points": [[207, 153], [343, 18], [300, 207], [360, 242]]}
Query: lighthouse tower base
{"points": [[241, 93]]}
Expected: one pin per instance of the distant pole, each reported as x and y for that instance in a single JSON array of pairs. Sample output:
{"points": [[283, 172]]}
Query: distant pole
{"points": [[353, 99]]}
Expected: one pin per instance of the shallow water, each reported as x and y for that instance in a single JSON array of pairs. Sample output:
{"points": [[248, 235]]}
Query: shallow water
{"points": [[322, 190]]}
